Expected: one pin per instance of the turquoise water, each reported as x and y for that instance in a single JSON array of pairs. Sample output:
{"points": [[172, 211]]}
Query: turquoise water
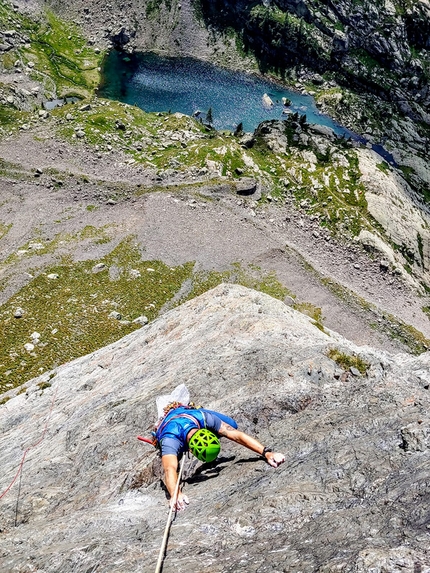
{"points": [[161, 84], [156, 83]]}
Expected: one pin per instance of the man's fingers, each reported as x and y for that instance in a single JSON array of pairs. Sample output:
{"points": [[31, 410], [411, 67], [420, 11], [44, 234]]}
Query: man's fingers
{"points": [[180, 503], [276, 460]]}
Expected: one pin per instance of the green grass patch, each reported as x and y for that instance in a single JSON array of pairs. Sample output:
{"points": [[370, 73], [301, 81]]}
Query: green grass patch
{"points": [[10, 120], [38, 246], [9, 116], [365, 58], [384, 167], [59, 49], [8, 59], [154, 8], [407, 171], [250, 276], [60, 55], [4, 229], [347, 361], [14, 171], [312, 311], [151, 139], [71, 313], [273, 15]]}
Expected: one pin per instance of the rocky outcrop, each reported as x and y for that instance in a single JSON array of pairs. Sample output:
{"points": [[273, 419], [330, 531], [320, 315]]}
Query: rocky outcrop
{"points": [[121, 38], [401, 235], [303, 31], [267, 101], [400, 212], [353, 495]]}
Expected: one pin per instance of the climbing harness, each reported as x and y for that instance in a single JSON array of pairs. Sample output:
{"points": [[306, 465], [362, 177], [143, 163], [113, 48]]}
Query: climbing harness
{"points": [[182, 415], [161, 555]]}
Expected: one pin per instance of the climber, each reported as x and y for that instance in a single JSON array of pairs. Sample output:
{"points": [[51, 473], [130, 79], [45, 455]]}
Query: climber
{"points": [[185, 428]]}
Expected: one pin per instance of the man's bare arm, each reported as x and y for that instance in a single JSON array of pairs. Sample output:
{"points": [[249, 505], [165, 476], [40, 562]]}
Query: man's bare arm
{"points": [[227, 431], [170, 467]]}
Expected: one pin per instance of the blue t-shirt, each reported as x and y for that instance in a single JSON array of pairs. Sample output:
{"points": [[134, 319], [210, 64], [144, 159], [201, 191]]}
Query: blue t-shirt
{"points": [[173, 430]]}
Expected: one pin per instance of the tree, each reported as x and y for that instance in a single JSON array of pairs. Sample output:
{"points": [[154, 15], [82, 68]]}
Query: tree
{"points": [[239, 130], [209, 116]]}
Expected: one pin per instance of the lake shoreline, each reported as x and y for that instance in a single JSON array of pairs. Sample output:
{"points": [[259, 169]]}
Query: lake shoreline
{"points": [[159, 83]]}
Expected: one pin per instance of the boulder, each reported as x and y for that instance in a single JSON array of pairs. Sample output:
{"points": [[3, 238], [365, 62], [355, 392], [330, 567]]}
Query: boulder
{"points": [[116, 315], [340, 42], [375, 244], [247, 140], [98, 268], [317, 79], [416, 436], [322, 130], [142, 320], [122, 37], [246, 186], [267, 101]]}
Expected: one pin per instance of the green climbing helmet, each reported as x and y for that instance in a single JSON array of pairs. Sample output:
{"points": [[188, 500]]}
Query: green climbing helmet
{"points": [[204, 445]]}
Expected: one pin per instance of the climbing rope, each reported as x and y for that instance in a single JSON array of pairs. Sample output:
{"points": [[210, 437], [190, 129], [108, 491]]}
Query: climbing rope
{"points": [[169, 521], [18, 473]]}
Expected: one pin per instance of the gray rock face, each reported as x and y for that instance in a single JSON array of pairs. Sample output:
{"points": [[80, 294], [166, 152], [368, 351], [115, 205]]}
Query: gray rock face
{"points": [[297, 7], [340, 42], [393, 204], [246, 186], [322, 130], [353, 495]]}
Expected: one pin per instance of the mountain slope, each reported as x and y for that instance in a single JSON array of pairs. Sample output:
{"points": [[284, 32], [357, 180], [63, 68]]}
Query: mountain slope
{"points": [[352, 496], [102, 183]]}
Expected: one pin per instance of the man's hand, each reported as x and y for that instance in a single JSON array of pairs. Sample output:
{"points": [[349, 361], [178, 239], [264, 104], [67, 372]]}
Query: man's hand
{"points": [[275, 459], [180, 503], [272, 458]]}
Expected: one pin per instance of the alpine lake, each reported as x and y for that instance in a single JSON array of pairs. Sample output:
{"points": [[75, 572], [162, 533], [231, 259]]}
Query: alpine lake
{"points": [[169, 84]]}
